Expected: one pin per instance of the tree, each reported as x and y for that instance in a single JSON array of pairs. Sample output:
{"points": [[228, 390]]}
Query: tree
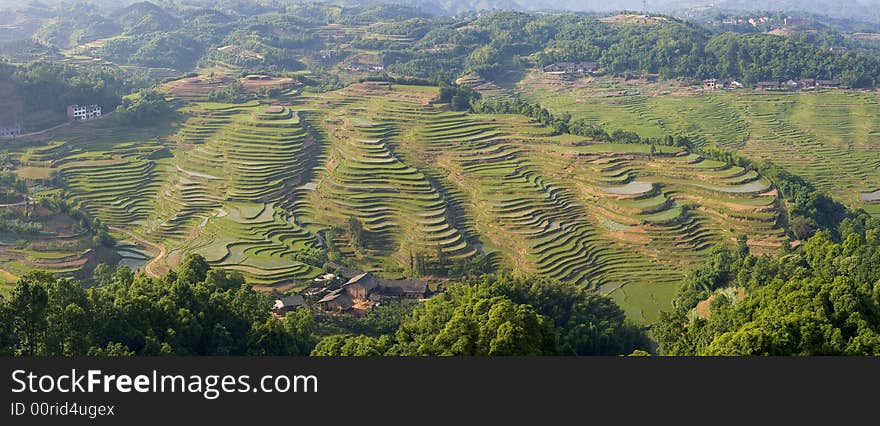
{"points": [[356, 231], [146, 108], [28, 306]]}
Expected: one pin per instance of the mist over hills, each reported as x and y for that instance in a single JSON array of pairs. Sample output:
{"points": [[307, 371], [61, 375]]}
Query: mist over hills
{"points": [[853, 9]]}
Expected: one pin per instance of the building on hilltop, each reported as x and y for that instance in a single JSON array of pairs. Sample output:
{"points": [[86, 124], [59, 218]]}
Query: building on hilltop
{"points": [[83, 112]]}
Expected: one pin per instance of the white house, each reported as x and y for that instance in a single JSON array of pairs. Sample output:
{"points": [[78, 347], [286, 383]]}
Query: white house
{"points": [[83, 112]]}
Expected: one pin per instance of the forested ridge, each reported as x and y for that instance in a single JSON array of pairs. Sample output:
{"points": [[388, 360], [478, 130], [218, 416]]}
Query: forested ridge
{"points": [[410, 42]]}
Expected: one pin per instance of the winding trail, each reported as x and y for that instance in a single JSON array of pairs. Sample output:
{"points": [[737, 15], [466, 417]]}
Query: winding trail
{"points": [[148, 268]]}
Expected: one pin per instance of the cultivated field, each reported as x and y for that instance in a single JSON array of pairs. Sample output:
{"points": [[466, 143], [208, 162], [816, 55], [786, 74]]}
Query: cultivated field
{"points": [[831, 138], [269, 190]]}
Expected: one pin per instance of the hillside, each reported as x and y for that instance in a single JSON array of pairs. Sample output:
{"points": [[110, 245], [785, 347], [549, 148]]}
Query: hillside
{"points": [[144, 17], [46, 234], [828, 137], [379, 177]]}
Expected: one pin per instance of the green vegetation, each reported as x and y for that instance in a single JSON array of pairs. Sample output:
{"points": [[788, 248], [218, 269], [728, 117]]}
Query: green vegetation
{"points": [[146, 107], [37, 94], [382, 177], [305, 138], [820, 300], [193, 311], [48, 234], [828, 138], [197, 310], [502, 315]]}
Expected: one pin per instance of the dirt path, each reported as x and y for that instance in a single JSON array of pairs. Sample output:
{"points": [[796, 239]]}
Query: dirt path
{"points": [[65, 124], [40, 132], [148, 268]]}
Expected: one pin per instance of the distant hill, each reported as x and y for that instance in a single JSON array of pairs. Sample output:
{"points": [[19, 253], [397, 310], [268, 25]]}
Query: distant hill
{"points": [[144, 17], [863, 10]]}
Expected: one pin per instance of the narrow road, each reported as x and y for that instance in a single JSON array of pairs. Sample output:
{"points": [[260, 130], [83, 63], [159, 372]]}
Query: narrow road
{"points": [[148, 268], [40, 132], [66, 123]]}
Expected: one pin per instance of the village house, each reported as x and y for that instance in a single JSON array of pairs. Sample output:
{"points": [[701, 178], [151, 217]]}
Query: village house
{"points": [[827, 84], [10, 130], [325, 277], [407, 289], [712, 84], [365, 290], [838, 50], [287, 304], [83, 112], [569, 68], [767, 85], [361, 286], [807, 83], [336, 301]]}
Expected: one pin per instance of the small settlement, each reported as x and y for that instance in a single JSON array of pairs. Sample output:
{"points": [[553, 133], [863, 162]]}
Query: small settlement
{"points": [[357, 296], [802, 84], [364, 291], [572, 68], [10, 130]]}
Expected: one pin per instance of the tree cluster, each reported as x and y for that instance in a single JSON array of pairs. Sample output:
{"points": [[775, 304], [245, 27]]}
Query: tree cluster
{"points": [[822, 299], [194, 310], [502, 315]]}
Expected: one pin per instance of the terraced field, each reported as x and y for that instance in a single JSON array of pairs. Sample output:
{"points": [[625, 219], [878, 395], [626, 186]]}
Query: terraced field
{"points": [[611, 217], [831, 138], [58, 245], [388, 181], [236, 172]]}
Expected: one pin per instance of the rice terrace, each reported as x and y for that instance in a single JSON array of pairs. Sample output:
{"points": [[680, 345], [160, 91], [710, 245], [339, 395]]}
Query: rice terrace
{"points": [[263, 187], [368, 178]]}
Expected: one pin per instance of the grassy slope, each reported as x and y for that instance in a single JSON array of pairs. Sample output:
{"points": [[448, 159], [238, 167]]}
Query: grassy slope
{"points": [[830, 137]]}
